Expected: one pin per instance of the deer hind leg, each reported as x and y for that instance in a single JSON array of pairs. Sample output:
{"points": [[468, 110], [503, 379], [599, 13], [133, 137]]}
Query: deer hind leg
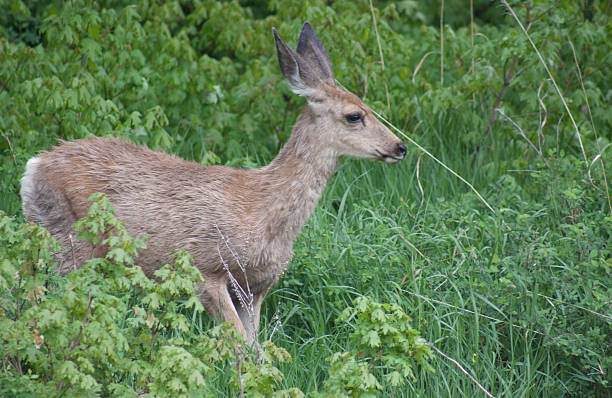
{"points": [[47, 206], [216, 298]]}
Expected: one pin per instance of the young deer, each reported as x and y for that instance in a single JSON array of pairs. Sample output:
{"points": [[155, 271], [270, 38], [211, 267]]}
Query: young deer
{"points": [[239, 225]]}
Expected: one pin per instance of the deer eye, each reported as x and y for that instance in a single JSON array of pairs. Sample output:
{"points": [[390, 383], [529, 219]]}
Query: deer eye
{"points": [[353, 117]]}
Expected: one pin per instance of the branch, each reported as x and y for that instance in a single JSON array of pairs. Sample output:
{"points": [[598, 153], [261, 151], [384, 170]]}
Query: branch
{"points": [[75, 342], [508, 77]]}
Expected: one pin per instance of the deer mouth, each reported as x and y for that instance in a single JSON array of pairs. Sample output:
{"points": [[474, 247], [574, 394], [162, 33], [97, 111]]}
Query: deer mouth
{"points": [[389, 159]]}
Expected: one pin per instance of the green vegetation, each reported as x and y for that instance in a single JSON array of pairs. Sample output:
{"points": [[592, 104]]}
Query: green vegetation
{"points": [[520, 297]]}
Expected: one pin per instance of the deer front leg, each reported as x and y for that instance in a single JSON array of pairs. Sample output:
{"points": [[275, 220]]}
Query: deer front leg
{"points": [[250, 317], [247, 318], [215, 297]]}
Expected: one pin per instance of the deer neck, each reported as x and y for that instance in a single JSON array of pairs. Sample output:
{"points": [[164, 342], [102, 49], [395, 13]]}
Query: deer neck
{"points": [[296, 179]]}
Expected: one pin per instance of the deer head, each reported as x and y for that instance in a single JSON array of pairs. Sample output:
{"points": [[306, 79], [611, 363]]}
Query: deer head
{"points": [[345, 126]]}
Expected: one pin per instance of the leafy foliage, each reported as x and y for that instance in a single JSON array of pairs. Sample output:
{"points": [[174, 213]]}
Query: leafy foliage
{"points": [[383, 339]]}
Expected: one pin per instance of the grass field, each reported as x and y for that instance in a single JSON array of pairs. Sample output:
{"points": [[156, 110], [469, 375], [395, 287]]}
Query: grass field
{"points": [[489, 290]]}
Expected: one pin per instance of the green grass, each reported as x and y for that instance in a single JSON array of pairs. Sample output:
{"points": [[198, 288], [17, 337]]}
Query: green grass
{"points": [[471, 290]]}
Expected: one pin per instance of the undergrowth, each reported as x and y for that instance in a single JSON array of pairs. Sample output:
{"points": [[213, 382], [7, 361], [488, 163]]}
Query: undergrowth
{"points": [[107, 329]]}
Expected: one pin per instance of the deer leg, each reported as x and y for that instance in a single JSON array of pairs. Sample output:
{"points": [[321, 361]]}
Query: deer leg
{"points": [[218, 303], [250, 317], [257, 309], [248, 321]]}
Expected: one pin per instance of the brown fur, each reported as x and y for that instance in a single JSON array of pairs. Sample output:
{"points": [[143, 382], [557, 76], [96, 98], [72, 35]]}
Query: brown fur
{"points": [[213, 212]]}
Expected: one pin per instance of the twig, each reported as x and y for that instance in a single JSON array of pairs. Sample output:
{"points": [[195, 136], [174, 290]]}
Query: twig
{"points": [[505, 3], [75, 342], [540, 15], [520, 130], [508, 77], [461, 368], [10, 147]]}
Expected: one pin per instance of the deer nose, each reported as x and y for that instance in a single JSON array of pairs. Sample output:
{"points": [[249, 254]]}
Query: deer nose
{"points": [[401, 148]]}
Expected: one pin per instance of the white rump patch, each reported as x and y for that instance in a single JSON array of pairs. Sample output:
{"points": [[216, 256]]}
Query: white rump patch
{"points": [[27, 183]]}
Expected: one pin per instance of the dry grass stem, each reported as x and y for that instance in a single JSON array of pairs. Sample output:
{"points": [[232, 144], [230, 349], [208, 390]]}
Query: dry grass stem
{"points": [[478, 314], [277, 323], [599, 150], [418, 67], [418, 168], [436, 159], [441, 44], [551, 78], [472, 34], [413, 142], [382, 60], [549, 299], [74, 262], [245, 296], [10, 147], [488, 394], [544, 118], [401, 235], [472, 47]]}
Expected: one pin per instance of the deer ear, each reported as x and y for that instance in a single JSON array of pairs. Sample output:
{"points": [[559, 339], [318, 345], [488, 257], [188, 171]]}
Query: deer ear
{"points": [[312, 52], [294, 69]]}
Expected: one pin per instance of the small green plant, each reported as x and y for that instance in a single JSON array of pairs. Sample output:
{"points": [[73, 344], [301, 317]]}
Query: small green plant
{"points": [[383, 343]]}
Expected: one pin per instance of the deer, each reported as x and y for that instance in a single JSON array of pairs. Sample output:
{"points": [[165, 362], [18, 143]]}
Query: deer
{"points": [[239, 225]]}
